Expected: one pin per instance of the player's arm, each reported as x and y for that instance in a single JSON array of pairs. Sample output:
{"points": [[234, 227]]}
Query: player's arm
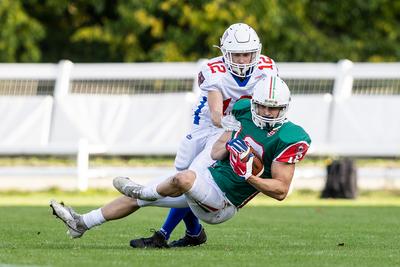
{"points": [[216, 106], [218, 151], [278, 186]]}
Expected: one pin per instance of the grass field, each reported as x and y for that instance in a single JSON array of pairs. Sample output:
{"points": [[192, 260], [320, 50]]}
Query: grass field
{"points": [[301, 231], [164, 161]]}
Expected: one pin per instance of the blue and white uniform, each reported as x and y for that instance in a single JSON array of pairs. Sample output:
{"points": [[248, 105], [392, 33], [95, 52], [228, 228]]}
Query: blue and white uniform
{"points": [[195, 148]]}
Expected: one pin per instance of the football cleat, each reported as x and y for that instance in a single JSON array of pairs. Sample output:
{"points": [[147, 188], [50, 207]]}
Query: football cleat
{"points": [[190, 240], [74, 222], [157, 240], [129, 188]]}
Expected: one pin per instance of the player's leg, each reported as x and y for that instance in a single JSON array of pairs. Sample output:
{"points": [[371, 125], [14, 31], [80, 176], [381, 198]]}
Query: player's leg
{"points": [[174, 187], [158, 240], [174, 217], [195, 234], [121, 207], [207, 201], [189, 148], [202, 194], [77, 224], [152, 197]]}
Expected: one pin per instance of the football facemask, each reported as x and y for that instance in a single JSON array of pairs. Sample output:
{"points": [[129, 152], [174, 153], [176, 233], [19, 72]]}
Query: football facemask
{"points": [[271, 92], [240, 38]]}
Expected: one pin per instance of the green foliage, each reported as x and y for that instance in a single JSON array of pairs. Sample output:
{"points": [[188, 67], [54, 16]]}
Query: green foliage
{"points": [[98, 197], [167, 161], [172, 30], [19, 33]]}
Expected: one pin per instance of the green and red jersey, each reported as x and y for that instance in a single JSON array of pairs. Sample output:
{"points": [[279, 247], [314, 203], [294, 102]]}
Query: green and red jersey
{"points": [[287, 143]]}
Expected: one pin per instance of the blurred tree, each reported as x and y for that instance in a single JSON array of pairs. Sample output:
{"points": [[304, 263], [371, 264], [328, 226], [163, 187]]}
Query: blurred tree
{"points": [[62, 18], [185, 30], [19, 34]]}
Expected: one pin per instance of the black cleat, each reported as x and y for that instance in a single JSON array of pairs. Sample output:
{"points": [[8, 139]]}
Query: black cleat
{"points": [[189, 240], [155, 241]]}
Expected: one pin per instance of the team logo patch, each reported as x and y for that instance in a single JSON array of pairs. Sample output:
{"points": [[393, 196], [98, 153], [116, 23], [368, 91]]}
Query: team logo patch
{"points": [[200, 78], [271, 133]]}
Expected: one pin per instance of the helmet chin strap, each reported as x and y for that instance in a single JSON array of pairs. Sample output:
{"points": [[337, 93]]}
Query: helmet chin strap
{"points": [[240, 71], [275, 126]]}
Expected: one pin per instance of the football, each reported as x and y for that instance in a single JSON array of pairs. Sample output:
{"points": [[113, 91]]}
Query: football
{"points": [[258, 166]]}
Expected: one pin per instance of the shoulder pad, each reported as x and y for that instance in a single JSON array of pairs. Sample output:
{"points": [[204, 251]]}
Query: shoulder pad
{"points": [[294, 143], [211, 73], [267, 65], [241, 106], [291, 133]]}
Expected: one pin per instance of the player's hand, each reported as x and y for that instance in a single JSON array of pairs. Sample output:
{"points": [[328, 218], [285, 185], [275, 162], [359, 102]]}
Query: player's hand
{"points": [[230, 123], [240, 158], [242, 167], [237, 146]]}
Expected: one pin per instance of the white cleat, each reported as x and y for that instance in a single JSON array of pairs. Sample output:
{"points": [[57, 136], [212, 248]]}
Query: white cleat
{"points": [[129, 188], [70, 218]]}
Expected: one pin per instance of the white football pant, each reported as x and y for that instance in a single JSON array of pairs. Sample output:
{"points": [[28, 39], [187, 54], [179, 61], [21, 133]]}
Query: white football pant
{"points": [[195, 148], [205, 199]]}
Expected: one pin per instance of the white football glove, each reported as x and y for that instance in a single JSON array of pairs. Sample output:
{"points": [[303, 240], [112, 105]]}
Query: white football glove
{"points": [[230, 123]]}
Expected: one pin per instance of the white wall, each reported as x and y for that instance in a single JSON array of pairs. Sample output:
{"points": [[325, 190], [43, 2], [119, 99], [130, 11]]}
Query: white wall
{"points": [[339, 123]]}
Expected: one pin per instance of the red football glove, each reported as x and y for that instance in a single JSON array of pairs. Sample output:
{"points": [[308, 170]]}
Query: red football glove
{"points": [[240, 159]]}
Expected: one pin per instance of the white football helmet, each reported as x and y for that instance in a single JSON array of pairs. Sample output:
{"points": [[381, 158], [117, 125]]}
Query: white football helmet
{"points": [[240, 38], [270, 91]]}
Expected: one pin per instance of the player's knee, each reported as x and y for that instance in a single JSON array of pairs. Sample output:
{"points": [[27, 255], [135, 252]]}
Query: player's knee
{"points": [[184, 180]]}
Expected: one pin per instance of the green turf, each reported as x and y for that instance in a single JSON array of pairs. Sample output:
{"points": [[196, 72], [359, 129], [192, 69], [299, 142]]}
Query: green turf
{"points": [[166, 161], [270, 233]]}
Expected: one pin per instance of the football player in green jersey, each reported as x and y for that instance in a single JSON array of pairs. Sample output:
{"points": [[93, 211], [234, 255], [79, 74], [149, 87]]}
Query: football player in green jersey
{"points": [[279, 142], [215, 194]]}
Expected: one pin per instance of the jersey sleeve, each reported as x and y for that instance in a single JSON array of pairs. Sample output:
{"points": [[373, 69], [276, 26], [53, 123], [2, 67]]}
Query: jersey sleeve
{"points": [[210, 75], [292, 146], [240, 108]]}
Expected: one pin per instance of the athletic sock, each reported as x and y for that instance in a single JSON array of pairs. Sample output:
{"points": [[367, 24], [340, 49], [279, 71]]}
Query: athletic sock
{"points": [[193, 226], [150, 192], [93, 218], [175, 215]]}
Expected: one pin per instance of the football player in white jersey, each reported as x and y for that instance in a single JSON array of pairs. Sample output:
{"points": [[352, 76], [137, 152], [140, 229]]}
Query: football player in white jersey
{"points": [[222, 80]]}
